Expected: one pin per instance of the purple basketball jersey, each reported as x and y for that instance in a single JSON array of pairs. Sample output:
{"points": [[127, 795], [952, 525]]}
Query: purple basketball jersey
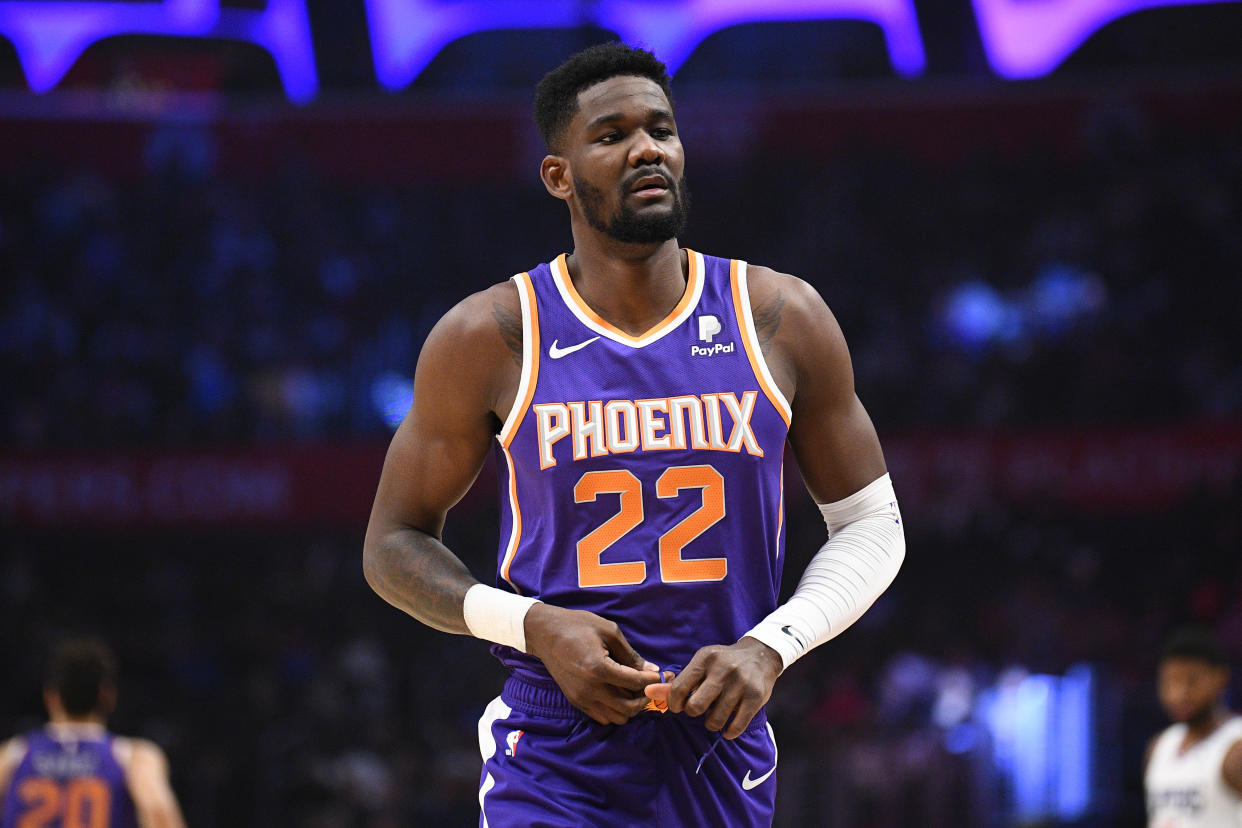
{"points": [[68, 782], [641, 476]]}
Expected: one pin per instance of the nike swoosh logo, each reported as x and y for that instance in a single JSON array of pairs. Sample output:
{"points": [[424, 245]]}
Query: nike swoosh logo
{"points": [[789, 632], [747, 782], [557, 353]]}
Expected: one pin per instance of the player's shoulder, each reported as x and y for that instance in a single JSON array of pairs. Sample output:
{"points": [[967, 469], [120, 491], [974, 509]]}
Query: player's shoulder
{"points": [[12, 752], [762, 279], [13, 749], [134, 752], [477, 312], [790, 310], [484, 324], [1232, 731], [1174, 732], [1150, 750], [768, 286]]}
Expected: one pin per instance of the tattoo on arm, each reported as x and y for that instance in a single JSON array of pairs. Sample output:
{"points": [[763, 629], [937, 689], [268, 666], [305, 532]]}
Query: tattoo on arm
{"points": [[768, 319], [510, 325], [416, 573]]}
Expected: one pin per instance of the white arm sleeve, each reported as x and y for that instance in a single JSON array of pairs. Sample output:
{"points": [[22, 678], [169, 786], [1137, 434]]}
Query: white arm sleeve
{"points": [[865, 548]]}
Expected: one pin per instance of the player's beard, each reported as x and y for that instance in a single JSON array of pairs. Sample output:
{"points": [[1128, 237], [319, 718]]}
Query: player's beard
{"points": [[629, 225], [1202, 718]]}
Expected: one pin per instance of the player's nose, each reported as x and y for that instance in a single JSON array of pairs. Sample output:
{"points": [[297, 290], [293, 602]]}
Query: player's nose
{"points": [[645, 149]]}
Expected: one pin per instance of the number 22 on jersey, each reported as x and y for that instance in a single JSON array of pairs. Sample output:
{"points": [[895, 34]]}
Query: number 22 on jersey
{"points": [[592, 572]]}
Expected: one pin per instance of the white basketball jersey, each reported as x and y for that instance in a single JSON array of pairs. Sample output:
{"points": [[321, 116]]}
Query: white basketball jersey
{"points": [[1188, 790]]}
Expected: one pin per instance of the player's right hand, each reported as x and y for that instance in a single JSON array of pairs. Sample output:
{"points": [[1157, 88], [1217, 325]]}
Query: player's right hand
{"points": [[590, 660]]}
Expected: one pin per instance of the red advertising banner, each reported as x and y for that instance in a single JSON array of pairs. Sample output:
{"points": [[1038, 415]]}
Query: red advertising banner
{"points": [[1113, 471], [313, 485]]}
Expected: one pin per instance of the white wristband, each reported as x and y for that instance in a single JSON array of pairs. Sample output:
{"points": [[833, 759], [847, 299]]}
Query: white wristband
{"points": [[497, 616]]}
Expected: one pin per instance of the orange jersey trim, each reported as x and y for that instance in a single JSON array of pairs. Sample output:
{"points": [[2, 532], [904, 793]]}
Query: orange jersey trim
{"points": [[780, 514], [515, 535], [750, 341], [521, 404], [694, 288], [530, 359]]}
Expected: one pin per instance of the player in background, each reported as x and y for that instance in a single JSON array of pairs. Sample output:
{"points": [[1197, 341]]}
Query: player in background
{"points": [[1193, 774], [73, 773], [639, 397]]}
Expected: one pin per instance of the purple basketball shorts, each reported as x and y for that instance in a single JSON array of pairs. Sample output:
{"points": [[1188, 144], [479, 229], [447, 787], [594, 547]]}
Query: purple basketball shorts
{"points": [[546, 765]]}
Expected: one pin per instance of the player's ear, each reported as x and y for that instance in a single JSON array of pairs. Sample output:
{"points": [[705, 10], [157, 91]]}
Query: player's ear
{"points": [[554, 171], [107, 698]]}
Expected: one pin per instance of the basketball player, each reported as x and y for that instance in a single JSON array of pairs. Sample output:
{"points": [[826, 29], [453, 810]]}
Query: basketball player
{"points": [[1194, 767], [73, 773], [639, 397]]}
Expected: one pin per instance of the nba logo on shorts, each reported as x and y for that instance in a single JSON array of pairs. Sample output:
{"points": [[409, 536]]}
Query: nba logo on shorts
{"points": [[511, 740]]}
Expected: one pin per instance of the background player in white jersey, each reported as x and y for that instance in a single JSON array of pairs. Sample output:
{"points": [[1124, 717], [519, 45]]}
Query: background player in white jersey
{"points": [[1193, 772], [73, 773]]}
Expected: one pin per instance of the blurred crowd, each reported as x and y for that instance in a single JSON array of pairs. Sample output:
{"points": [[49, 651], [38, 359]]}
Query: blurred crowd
{"points": [[184, 306]]}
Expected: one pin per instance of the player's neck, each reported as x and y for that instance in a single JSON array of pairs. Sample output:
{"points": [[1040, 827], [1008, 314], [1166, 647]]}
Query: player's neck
{"points": [[632, 286], [66, 723], [1206, 722]]}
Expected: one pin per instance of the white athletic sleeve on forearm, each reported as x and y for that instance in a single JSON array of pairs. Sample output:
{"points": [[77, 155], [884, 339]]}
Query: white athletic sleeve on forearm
{"points": [[865, 548]]}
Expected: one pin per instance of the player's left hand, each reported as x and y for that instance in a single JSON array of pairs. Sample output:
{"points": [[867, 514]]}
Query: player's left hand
{"points": [[728, 682]]}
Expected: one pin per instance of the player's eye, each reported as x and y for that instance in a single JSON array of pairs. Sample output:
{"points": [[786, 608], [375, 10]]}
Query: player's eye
{"points": [[661, 132]]}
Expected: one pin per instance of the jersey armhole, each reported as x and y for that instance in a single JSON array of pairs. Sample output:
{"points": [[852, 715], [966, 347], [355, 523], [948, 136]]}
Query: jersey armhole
{"points": [[750, 340], [530, 359], [123, 752]]}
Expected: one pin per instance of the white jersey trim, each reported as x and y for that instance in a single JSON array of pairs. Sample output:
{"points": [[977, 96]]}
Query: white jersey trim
{"points": [[495, 711], [758, 362], [530, 358]]}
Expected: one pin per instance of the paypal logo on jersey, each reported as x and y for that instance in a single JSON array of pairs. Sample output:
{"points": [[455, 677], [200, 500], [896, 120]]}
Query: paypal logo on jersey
{"points": [[709, 326], [713, 350]]}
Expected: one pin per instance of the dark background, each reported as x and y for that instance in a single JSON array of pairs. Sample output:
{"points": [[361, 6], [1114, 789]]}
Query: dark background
{"points": [[214, 299]]}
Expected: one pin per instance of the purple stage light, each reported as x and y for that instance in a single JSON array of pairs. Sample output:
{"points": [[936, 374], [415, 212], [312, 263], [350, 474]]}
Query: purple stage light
{"points": [[1022, 38], [407, 34], [283, 29], [50, 36], [674, 28], [1030, 38]]}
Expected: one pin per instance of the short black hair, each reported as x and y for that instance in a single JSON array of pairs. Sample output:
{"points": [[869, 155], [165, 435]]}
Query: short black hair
{"points": [[79, 670], [1196, 643], [556, 96]]}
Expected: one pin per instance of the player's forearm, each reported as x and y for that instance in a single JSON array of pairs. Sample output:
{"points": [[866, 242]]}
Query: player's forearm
{"points": [[419, 575], [166, 815], [865, 549]]}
